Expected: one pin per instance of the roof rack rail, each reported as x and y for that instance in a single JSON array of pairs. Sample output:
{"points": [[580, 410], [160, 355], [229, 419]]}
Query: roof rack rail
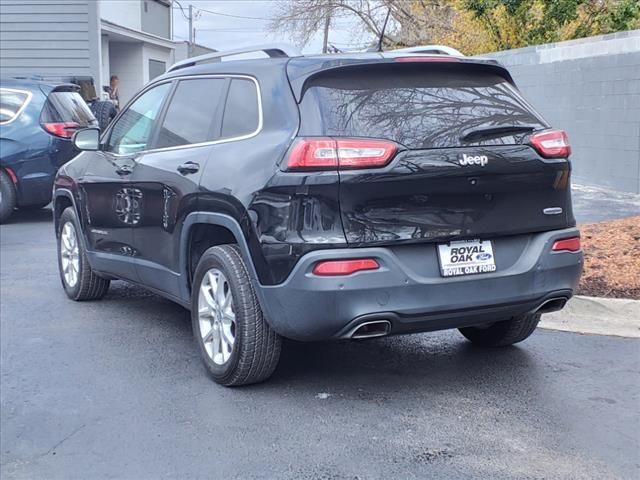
{"points": [[433, 49], [272, 50]]}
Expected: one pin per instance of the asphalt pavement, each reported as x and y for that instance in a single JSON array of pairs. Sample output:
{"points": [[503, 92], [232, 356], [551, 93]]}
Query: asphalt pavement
{"points": [[115, 389]]}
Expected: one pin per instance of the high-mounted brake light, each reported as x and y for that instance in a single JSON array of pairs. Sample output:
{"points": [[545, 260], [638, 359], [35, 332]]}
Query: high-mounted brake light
{"points": [[61, 129], [343, 153], [338, 268], [423, 59], [567, 245], [551, 143]]}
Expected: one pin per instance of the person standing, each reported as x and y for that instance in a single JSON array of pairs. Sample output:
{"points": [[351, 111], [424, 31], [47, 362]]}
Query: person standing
{"points": [[114, 92]]}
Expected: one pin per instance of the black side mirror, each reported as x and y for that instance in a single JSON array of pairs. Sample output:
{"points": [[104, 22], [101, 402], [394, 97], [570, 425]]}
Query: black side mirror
{"points": [[87, 139]]}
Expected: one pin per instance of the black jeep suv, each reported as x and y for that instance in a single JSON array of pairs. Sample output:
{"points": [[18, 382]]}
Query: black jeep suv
{"points": [[325, 197]]}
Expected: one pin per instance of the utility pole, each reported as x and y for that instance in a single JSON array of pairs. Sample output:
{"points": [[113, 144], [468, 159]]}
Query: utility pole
{"points": [[190, 29], [325, 41]]}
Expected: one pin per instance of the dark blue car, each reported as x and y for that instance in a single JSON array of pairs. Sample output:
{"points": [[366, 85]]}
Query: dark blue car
{"points": [[37, 121]]}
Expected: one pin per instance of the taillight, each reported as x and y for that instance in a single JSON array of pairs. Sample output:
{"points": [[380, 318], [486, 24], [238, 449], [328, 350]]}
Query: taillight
{"points": [[423, 59], [337, 268], [312, 154], [343, 153], [61, 129], [551, 143], [567, 245], [11, 174]]}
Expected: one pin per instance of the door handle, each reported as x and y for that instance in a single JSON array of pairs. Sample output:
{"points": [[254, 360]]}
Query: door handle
{"points": [[188, 167], [123, 170]]}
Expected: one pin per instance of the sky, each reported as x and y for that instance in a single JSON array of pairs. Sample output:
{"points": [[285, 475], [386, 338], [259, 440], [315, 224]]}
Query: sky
{"points": [[229, 28]]}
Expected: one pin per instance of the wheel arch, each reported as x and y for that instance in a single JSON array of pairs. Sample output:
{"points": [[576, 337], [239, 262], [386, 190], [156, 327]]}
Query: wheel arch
{"points": [[225, 223], [62, 199]]}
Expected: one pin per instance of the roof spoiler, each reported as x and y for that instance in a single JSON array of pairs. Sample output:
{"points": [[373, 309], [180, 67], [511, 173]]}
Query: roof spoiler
{"points": [[66, 87], [302, 71], [276, 50]]}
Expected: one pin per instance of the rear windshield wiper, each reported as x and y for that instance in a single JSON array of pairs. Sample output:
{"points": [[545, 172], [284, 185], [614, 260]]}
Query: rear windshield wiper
{"points": [[486, 133]]}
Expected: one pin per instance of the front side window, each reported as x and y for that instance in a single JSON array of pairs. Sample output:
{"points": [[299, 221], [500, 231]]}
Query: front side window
{"points": [[11, 103], [191, 113], [132, 131], [242, 112]]}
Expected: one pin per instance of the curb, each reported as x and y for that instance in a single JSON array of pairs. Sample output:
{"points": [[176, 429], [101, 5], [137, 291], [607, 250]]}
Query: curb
{"points": [[598, 316]]}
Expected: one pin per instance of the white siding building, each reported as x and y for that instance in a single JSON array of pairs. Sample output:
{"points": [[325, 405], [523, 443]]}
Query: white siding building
{"points": [[99, 38]]}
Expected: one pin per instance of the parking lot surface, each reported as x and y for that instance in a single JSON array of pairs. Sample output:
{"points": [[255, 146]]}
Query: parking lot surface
{"points": [[115, 389]]}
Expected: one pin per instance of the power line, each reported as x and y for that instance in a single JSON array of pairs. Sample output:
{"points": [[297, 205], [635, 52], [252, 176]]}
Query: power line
{"points": [[186, 17], [230, 30], [218, 13], [231, 15]]}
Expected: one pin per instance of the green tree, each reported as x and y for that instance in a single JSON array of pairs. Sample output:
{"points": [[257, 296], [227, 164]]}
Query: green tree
{"points": [[519, 23]]}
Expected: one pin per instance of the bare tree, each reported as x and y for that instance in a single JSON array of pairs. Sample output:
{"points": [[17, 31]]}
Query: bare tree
{"points": [[302, 19]]}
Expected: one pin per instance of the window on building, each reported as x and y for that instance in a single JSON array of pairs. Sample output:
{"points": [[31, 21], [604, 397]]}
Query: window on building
{"points": [[132, 131], [192, 113], [156, 68], [242, 112]]}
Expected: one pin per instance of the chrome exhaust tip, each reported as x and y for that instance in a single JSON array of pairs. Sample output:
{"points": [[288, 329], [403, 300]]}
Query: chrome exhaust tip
{"points": [[376, 328], [552, 305]]}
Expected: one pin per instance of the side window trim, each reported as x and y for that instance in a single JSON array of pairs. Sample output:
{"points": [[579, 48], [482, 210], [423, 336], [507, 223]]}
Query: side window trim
{"points": [[104, 138]]}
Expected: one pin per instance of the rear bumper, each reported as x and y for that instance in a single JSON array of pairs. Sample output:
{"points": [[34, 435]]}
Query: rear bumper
{"points": [[409, 292]]}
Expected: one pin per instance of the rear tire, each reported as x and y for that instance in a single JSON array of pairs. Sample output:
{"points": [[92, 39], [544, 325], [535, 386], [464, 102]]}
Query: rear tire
{"points": [[7, 197], [236, 344], [104, 112], [78, 279], [502, 334]]}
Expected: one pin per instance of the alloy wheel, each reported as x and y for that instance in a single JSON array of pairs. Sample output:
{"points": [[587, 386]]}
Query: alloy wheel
{"points": [[69, 254], [216, 316]]}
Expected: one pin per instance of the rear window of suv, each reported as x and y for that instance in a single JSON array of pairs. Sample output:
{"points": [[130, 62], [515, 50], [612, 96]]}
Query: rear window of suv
{"points": [[418, 109], [67, 107]]}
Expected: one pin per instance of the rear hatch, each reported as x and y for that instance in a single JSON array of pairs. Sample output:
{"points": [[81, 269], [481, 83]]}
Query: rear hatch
{"points": [[63, 114], [463, 166]]}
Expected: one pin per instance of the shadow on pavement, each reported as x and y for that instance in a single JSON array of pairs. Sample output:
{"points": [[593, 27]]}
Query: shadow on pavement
{"points": [[437, 361], [31, 216]]}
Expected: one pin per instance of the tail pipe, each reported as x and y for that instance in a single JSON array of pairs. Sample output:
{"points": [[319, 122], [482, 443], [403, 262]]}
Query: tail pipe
{"points": [[376, 328], [552, 305]]}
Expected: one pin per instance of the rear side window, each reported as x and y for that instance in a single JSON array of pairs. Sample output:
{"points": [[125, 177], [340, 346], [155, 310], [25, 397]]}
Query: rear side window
{"points": [[192, 113], [242, 111], [67, 107], [11, 103], [418, 109]]}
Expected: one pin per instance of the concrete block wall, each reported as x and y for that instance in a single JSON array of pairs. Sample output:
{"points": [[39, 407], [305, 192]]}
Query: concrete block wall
{"points": [[590, 88]]}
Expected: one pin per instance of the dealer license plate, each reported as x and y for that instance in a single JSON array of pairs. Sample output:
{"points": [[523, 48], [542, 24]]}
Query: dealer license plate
{"points": [[466, 257]]}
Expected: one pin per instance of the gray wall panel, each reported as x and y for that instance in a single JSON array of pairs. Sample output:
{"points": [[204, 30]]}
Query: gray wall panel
{"points": [[591, 89], [47, 38]]}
